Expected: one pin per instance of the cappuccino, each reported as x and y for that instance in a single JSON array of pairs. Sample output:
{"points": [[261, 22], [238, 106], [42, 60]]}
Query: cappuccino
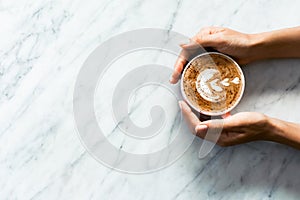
{"points": [[213, 83]]}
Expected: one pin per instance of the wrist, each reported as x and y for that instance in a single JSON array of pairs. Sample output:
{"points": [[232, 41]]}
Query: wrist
{"points": [[275, 129], [284, 132], [258, 46]]}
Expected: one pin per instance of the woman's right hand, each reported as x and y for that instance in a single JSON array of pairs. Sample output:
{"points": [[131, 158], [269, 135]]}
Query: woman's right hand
{"points": [[235, 44]]}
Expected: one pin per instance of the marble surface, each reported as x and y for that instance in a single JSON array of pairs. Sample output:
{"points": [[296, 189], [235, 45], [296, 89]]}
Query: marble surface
{"points": [[43, 44]]}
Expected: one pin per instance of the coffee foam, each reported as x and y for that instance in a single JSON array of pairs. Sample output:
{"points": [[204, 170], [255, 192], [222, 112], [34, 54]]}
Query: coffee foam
{"points": [[212, 83], [208, 85]]}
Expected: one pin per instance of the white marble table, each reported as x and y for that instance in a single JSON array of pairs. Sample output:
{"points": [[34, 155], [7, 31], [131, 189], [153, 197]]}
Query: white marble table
{"points": [[43, 44]]}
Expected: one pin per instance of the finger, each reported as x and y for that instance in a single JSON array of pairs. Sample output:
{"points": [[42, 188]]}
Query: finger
{"points": [[214, 129], [208, 37], [200, 42], [192, 45], [211, 30], [178, 67], [205, 38], [188, 51], [214, 123], [229, 124], [190, 118], [181, 61], [201, 130], [228, 131]]}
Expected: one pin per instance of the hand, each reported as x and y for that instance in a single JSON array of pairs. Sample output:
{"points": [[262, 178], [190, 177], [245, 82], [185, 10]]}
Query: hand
{"points": [[244, 48], [236, 129], [224, 40]]}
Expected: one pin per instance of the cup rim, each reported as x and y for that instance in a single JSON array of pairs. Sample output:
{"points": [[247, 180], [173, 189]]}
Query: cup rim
{"points": [[210, 113]]}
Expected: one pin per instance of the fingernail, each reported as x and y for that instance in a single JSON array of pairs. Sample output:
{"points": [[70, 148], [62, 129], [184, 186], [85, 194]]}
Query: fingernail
{"points": [[184, 42], [200, 127], [171, 79], [183, 45]]}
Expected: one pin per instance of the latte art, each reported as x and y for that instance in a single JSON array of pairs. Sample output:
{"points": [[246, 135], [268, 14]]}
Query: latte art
{"points": [[212, 83], [209, 87], [236, 80]]}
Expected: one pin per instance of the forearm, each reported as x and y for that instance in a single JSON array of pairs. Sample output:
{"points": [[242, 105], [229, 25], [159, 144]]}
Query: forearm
{"points": [[283, 43], [284, 132]]}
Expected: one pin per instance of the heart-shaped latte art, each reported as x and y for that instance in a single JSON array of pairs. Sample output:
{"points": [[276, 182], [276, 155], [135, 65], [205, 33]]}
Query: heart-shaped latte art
{"points": [[236, 80], [210, 86], [225, 82]]}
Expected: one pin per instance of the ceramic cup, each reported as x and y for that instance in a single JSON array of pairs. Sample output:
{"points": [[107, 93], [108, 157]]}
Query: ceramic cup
{"points": [[225, 112]]}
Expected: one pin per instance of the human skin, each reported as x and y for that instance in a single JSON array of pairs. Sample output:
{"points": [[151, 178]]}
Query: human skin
{"points": [[244, 48]]}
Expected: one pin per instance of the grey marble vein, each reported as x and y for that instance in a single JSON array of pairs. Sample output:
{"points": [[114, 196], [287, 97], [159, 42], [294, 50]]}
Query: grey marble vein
{"points": [[42, 47]]}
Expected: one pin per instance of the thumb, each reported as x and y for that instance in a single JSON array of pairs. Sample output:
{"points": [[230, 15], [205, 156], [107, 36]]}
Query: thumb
{"points": [[210, 130], [215, 123], [201, 40], [193, 44], [190, 118], [201, 130]]}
